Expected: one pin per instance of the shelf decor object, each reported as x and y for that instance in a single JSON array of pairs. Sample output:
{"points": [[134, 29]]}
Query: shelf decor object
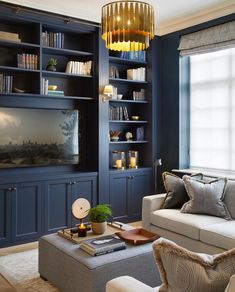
{"points": [[133, 159], [119, 160], [127, 25], [80, 210]]}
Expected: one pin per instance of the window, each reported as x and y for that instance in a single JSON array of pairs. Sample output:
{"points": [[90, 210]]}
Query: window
{"points": [[212, 110]]}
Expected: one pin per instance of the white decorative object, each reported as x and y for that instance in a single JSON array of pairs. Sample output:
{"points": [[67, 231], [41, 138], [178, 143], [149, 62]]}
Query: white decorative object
{"points": [[80, 208]]}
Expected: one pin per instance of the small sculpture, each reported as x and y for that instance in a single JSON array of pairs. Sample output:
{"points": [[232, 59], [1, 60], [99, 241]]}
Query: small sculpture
{"points": [[129, 136]]}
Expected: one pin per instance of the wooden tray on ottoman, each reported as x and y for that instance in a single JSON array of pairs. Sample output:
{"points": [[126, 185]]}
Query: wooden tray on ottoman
{"points": [[137, 236]]}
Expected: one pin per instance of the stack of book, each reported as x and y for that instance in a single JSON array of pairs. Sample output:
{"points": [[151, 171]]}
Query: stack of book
{"points": [[6, 83], [80, 68], [139, 95], [134, 55], [46, 91], [27, 61], [136, 74], [52, 39], [55, 92], [102, 245], [9, 36], [118, 113]]}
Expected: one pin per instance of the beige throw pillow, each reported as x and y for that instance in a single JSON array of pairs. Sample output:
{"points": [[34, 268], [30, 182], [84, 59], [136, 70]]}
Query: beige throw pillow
{"points": [[206, 197], [184, 271]]}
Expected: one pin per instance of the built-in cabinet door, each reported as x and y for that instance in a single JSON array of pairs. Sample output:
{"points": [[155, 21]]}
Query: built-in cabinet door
{"points": [[5, 214], [57, 202], [84, 188], [26, 211], [127, 190], [140, 187], [119, 188]]}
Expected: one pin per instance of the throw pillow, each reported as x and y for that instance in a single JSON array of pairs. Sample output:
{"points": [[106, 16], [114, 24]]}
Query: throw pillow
{"points": [[183, 270], [206, 198], [176, 193]]}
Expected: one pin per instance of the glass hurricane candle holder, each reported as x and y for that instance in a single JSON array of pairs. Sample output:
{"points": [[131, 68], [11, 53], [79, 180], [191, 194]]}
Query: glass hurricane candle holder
{"points": [[119, 159], [133, 159]]}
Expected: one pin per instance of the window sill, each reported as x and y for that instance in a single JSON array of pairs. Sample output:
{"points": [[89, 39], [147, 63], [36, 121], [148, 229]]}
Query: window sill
{"points": [[212, 173]]}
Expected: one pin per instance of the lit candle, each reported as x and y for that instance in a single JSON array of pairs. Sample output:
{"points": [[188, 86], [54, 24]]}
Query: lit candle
{"points": [[82, 230], [133, 162], [119, 163]]}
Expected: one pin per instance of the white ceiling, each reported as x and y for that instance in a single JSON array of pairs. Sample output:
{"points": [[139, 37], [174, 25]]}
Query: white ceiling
{"points": [[170, 15]]}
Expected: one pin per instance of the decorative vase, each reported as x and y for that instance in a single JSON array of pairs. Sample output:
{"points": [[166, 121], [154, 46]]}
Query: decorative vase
{"points": [[51, 68], [98, 227]]}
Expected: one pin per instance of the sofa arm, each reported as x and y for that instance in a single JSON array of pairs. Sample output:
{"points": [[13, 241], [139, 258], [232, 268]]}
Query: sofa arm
{"points": [[231, 284], [127, 284], [150, 204]]}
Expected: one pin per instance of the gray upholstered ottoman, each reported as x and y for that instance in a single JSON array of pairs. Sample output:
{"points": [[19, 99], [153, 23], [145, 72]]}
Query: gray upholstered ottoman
{"points": [[73, 270]]}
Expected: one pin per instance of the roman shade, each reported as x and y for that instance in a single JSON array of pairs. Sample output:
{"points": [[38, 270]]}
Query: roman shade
{"points": [[207, 40]]}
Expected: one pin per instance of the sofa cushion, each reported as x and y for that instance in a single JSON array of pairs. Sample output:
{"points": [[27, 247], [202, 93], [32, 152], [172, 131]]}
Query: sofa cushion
{"points": [[229, 197], [219, 234], [176, 193], [183, 270], [185, 224], [206, 198]]}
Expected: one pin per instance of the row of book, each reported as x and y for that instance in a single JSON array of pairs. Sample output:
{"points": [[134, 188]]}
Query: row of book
{"points": [[136, 74], [102, 245], [134, 55], [46, 91], [53, 39], [139, 95], [9, 36], [119, 113], [27, 61], [6, 82], [80, 68]]}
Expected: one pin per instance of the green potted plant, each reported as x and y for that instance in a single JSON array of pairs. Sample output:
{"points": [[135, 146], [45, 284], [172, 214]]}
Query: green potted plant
{"points": [[51, 64], [98, 217]]}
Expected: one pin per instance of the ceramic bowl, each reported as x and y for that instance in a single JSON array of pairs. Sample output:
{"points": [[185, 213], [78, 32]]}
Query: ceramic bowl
{"points": [[114, 139], [52, 87], [135, 118], [119, 96]]}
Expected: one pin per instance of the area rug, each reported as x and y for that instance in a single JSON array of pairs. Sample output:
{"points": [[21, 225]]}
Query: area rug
{"points": [[21, 270]]}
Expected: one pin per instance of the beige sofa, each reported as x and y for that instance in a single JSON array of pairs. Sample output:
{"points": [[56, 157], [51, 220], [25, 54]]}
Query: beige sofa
{"points": [[129, 284], [196, 232]]}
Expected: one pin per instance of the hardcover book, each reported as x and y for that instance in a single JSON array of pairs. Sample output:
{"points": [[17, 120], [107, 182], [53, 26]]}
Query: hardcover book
{"points": [[102, 245]]}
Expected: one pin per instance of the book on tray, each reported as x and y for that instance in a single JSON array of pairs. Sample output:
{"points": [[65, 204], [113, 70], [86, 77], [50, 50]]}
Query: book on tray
{"points": [[102, 245]]}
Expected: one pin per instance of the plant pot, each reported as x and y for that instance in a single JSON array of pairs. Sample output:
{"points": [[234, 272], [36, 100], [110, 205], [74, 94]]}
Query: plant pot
{"points": [[51, 68], [98, 228]]}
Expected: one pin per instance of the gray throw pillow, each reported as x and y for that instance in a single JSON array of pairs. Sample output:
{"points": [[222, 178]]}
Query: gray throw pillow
{"points": [[176, 193], [206, 197]]}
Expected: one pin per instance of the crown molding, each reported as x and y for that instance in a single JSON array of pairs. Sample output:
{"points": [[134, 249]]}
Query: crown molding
{"points": [[211, 13]]}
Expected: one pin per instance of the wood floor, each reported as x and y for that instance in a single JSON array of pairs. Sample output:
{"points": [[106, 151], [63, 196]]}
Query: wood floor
{"points": [[32, 245]]}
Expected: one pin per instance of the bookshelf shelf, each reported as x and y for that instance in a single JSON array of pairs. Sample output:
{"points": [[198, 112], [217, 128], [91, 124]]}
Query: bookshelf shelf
{"points": [[16, 69], [43, 96], [64, 52], [128, 101], [12, 44], [64, 75], [128, 122], [121, 80], [127, 61], [128, 142]]}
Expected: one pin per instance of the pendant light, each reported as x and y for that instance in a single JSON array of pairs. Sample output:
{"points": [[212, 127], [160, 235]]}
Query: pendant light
{"points": [[127, 25]]}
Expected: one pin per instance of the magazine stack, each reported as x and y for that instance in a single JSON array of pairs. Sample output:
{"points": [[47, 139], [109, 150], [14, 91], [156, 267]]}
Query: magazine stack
{"points": [[102, 245]]}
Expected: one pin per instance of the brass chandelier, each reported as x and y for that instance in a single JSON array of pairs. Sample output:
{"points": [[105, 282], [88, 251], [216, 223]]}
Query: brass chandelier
{"points": [[127, 25]]}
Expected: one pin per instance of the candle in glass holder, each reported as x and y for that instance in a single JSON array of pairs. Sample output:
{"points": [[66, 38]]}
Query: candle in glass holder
{"points": [[133, 162], [119, 163], [82, 230]]}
